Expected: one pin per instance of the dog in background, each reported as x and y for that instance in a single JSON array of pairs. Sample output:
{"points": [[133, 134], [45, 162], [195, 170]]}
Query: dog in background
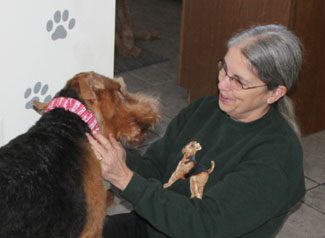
{"points": [[50, 180], [189, 168], [125, 36]]}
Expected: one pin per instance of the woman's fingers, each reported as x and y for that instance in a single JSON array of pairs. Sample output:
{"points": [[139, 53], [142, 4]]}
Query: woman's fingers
{"points": [[102, 140], [113, 141], [98, 155], [94, 147], [97, 146], [112, 155], [118, 147], [107, 143]]}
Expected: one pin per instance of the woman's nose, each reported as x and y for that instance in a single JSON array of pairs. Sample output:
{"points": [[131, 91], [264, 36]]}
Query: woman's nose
{"points": [[223, 83]]}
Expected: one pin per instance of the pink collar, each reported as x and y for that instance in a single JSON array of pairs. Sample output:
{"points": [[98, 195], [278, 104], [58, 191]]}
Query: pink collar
{"points": [[73, 105]]}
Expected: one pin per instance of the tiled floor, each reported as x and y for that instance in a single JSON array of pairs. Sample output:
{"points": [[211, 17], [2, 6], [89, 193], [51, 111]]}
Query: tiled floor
{"points": [[308, 218]]}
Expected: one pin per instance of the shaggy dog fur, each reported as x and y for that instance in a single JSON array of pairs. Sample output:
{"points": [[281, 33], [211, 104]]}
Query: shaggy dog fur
{"points": [[50, 180]]}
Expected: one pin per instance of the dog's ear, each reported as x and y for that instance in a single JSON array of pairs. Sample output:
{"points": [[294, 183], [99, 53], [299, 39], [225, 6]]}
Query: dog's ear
{"points": [[86, 90], [88, 86], [122, 85], [39, 106]]}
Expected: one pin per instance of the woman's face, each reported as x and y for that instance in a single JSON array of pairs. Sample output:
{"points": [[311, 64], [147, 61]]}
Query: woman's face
{"points": [[240, 104]]}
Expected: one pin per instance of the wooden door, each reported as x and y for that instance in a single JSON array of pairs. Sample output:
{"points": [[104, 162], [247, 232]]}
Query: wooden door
{"points": [[309, 94]]}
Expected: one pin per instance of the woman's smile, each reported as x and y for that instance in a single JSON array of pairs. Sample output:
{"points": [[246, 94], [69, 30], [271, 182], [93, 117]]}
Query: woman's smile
{"points": [[224, 99]]}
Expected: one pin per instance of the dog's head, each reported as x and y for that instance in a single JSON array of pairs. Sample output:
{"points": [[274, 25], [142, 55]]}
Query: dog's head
{"points": [[191, 148], [126, 115]]}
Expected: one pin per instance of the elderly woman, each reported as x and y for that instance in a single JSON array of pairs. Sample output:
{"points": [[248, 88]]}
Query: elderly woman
{"points": [[248, 131]]}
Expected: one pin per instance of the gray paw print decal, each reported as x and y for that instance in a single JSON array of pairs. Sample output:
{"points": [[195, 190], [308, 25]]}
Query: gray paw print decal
{"points": [[38, 90], [60, 25]]}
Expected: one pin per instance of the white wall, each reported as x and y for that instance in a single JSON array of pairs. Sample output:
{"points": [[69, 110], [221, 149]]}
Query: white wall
{"points": [[44, 43]]}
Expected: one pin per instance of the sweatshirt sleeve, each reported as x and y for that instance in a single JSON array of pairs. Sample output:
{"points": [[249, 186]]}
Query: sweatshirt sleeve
{"points": [[243, 200]]}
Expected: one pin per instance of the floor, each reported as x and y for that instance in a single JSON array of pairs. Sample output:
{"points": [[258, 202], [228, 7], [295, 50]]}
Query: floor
{"points": [[308, 218]]}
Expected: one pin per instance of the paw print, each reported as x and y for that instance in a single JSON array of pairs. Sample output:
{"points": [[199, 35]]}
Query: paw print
{"points": [[60, 24], [37, 90]]}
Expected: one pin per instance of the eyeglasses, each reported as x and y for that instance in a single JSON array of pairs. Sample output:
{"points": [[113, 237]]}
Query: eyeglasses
{"points": [[234, 80]]}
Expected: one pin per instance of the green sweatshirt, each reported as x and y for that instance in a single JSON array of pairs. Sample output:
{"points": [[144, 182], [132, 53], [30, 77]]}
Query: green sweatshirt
{"points": [[258, 175]]}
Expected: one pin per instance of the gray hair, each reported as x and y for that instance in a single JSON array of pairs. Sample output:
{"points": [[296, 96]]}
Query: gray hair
{"points": [[275, 55]]}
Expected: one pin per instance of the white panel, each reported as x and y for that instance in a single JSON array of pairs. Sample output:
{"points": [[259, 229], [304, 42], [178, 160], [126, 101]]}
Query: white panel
{"points": [[1, 132], [43, 44]]}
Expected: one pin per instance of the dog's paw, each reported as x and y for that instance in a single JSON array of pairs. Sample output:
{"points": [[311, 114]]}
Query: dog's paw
{"points": [[166, 185], [59, 26], [38, 90]]}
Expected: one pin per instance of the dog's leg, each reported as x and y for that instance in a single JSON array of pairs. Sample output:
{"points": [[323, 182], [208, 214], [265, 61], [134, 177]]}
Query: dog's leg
{"points": [[194, 187], [202, 180], [181, 170], [125, 41], [173, 178], [147, 35], [95, 197], [198, 184]]}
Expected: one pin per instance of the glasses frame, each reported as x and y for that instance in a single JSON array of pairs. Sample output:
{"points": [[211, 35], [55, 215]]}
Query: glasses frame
{"points": [[222, 66]]}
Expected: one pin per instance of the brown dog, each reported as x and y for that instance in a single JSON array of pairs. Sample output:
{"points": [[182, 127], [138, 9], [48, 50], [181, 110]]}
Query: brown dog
{"points": [[125, 36], [188, 167], [127, 116], [51, 184]]}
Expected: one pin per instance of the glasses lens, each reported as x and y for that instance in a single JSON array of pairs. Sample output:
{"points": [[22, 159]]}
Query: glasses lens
{"points": [[221, 68], [235, 83]]}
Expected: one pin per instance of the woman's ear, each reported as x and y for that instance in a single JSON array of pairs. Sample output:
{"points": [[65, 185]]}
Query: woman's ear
{"points": [[276, 94]]}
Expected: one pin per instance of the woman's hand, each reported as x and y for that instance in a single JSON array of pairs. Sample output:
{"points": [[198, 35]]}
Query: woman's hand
{"points": [[112, 159]]}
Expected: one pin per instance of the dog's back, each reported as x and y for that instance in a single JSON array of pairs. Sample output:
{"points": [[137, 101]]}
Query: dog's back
{"points": [[42, 192]]}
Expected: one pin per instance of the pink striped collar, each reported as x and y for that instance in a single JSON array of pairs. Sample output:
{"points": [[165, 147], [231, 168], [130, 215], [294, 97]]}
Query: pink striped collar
{"points": [[73, 105]]}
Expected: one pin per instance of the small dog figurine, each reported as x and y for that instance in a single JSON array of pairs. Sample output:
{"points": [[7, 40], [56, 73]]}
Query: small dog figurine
{"points": [[50, 180], [188, 167]]}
